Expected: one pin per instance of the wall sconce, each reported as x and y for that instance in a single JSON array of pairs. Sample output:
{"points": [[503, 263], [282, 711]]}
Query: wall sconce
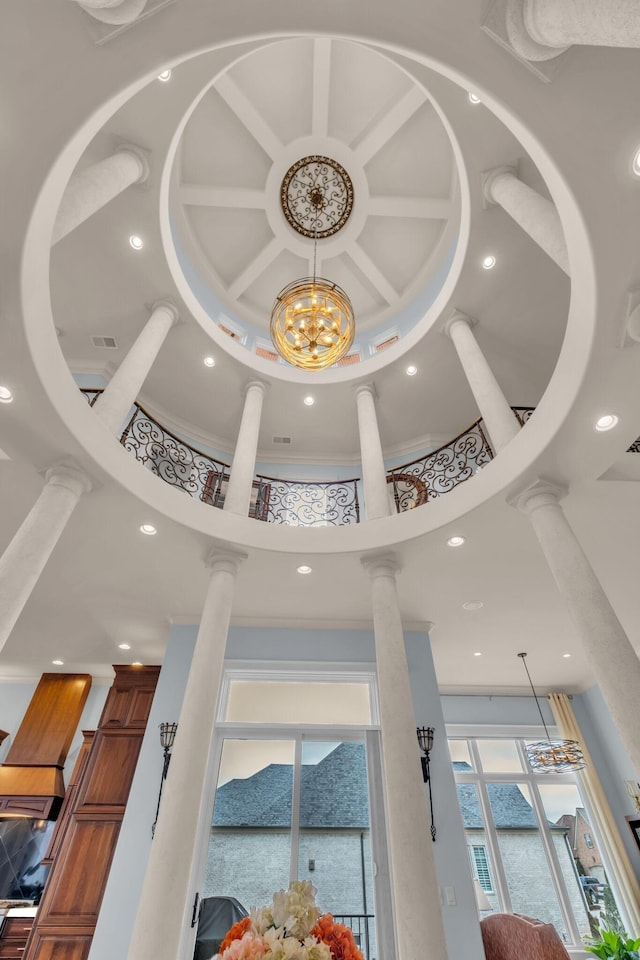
{"points": [[633, 789], [425, 739], [167, 736]]}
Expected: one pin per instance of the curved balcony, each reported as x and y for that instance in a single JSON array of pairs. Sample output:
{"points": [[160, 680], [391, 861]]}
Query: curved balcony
{"points": [[304, 503]]}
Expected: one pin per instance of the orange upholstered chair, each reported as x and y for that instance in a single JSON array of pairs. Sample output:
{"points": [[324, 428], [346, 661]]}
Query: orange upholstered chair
{"points": [[509, 936]]}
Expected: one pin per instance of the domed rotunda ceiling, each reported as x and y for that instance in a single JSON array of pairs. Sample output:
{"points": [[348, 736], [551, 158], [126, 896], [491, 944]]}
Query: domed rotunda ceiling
{"points": [[304, 98]]}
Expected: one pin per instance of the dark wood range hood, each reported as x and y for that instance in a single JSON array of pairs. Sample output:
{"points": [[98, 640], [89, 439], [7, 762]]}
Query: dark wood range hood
{"points": [[31, 782]]}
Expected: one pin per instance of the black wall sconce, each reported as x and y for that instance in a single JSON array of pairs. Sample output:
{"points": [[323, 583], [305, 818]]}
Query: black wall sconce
{"points": [[425, 739], [167, 736]]}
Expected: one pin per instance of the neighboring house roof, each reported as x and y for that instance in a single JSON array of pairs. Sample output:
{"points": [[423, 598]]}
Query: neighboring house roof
{"points": [[333, 794], [509, 806]]}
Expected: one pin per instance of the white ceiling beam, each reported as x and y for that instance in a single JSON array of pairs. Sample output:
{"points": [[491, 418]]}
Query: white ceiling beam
{"points": [[386, 126], [247, 113], [257, 266], [425, 208], [199, 195], [373, 273], [321, 87]]}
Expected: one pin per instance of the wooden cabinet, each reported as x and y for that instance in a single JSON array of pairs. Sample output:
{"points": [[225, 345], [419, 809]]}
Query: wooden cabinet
{"points": [[14, 935], [84, 843]]}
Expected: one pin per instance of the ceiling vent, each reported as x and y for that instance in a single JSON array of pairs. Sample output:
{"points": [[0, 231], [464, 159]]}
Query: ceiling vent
{"points": [[105, 342], [282, 439]]}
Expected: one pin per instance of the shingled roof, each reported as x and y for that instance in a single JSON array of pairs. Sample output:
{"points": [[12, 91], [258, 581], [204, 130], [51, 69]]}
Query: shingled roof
{"points": [[333, 794]]}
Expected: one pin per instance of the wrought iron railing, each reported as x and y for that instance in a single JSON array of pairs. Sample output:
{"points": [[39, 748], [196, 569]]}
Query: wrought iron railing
{"points": [[293, 503], [362, 927], [441, 470], [304, 503], [635, 446], [523, 414]]}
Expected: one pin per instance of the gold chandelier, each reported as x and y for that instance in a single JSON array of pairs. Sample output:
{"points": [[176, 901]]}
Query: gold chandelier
{"points": [[312, 323]]}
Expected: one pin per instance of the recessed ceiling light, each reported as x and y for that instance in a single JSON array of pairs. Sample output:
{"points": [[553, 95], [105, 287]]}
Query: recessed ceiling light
{"points": [[474, 98], [136, 242], [209, 362], [148, 528], [606, 422], [5, 395], [165, 75], [411, 370], [455, 541], [566, 655], [125, 646], [488, 262], [477, 653], [635, 165], [473, 605], [309, 401], [304, 569], [58, 663]]}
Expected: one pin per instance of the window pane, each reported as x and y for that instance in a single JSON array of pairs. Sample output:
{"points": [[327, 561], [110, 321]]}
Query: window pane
{"points": [[335, 847], [460, 755], [499, 756], [479, 856], [250, 844], [283, 701], [587, 882], [525, 864]]}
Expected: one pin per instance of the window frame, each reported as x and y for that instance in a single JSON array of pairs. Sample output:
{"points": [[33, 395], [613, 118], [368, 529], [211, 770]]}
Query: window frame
{"points": [[528, 777]]}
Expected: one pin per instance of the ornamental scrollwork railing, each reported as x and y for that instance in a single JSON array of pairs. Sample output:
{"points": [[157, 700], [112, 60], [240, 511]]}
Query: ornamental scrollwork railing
{"points": [[306, 503], [635, 446], [441, 470], [170, 458], [523, 414]]}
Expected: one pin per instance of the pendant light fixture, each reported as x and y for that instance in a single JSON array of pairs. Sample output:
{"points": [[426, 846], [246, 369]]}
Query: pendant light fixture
{"points": [[552, 756], [312, 323]]}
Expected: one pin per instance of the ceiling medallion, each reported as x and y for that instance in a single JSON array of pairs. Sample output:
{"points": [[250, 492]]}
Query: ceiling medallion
{"points": [[316, 196]]}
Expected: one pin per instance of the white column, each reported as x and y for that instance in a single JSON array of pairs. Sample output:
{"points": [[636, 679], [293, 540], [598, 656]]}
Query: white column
{"points": [[90, 189], [238, 496], [613, 660], [418, 920], [543, 29], [374, 475], [498, 416], [113, 11], [536, 215], [25, 557], [114, 403], [167, 897]]}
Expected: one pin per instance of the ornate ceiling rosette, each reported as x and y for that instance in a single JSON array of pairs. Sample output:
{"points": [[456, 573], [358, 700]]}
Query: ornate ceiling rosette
{"points": [[316, 196]]}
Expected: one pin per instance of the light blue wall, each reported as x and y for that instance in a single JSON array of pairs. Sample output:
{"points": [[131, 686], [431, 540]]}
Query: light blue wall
{"points": [[461, 924], [275, 643], [118, 911], [517, 711]]}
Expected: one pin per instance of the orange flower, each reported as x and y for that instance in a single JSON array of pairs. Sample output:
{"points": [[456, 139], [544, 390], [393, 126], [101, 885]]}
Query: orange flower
{"points": [[338, 938], [237, 931]]}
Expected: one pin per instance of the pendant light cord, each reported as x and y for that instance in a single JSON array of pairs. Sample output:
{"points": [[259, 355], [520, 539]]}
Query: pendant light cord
{"points": [[524, 663]]}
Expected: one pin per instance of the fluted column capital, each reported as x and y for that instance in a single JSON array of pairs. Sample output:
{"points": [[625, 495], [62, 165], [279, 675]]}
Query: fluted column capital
{"points": [[458, 317], [227, 561], [541, 493], [365, 388], [70, 476], [256, 386], [491, 177], [381, 564], [141, 155], [168, 307], [521, 30]]}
